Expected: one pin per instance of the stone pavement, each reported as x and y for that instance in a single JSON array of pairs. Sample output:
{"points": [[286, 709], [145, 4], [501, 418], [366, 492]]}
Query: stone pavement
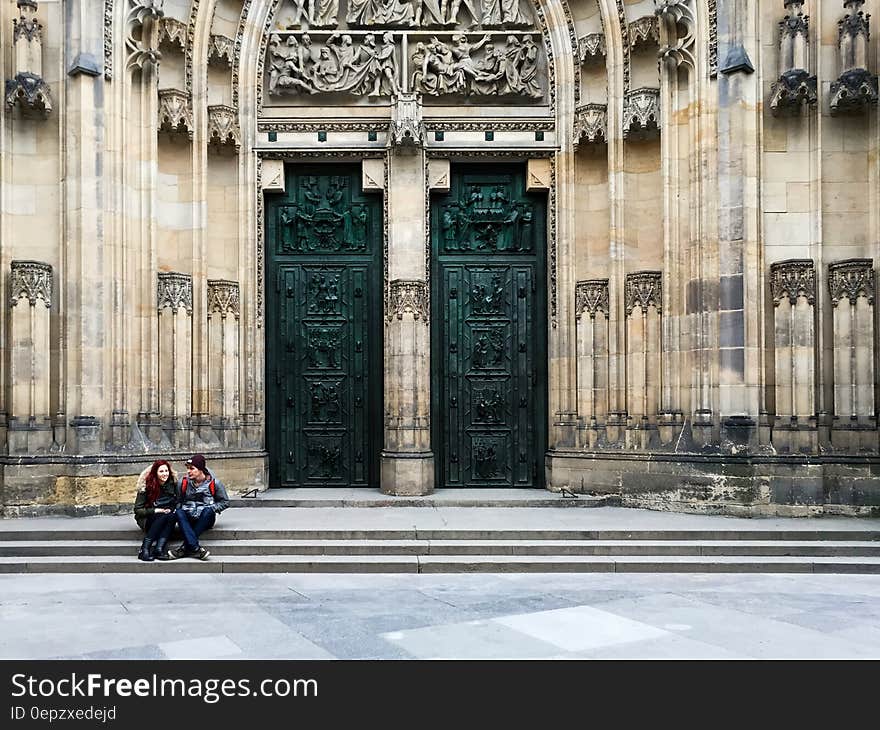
{"points": [[431, 616]]}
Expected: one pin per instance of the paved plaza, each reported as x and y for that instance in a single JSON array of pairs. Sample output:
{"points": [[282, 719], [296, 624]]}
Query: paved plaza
{"points": [[534, 616]]}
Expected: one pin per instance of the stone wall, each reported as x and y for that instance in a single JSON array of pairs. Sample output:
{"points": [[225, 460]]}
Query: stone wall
{"points": [[710, 172]]}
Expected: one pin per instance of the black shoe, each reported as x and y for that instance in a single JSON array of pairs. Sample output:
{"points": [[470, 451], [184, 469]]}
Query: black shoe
{"points": [[177, 553], [160, 552], [200, 554], [146, 552]]}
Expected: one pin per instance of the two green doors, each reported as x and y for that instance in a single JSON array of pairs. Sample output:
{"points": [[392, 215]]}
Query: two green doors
{"points": [[324, 330]]}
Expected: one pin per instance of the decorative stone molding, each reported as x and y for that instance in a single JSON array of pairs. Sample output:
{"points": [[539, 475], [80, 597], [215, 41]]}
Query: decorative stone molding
{"points": [[591, 124], [141, 41], [175, 291], [30, 280], [29, 92], [851, 279], [856, 87], [677, 23], [406, 121], [175, 112], [795, 86], [223, 298], [408, 297], [27, 89], [644, 30], [172, 34], [591, 296], [221, 51], [591, 48], [641, 113], [223, 128], [713, 39], [642, 289], [791, 279]]}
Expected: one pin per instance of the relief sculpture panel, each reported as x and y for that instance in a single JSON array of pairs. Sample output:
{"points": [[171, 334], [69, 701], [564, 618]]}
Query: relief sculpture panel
{"points": [[382, 48]]}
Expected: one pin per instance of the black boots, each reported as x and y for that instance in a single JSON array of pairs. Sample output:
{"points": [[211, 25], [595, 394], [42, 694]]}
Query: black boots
{"points": [[161, 551], [145, 553]]}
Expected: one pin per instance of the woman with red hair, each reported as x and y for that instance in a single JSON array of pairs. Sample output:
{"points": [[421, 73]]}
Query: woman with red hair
{"points": [[154, 509]]}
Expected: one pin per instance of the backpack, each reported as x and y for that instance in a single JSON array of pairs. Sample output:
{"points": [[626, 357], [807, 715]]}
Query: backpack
{"points": [[184, 482]]}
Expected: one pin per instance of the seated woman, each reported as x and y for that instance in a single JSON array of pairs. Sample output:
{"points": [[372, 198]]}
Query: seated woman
{"points": [[154, 509]]}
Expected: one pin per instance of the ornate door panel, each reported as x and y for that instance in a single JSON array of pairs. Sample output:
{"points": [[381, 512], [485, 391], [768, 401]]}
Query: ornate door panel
{"points": [[324, 331], [489, 331]]}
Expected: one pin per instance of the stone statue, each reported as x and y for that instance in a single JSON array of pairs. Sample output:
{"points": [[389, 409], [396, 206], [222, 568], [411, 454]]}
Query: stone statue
{"points": [[380, 12], [528, 70], [511, 13], [324, 13], [429, 14], [491, 13], [455, 6]]}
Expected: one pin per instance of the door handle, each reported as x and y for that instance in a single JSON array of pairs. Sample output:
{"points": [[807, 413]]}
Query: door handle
{"points": [[290, 401]]}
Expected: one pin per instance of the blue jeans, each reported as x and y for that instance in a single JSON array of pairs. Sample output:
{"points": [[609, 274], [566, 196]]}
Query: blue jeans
{"points": [[192, 527]]}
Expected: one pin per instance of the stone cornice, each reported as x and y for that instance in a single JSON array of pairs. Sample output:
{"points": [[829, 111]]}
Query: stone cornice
{"points": [[643, 289], [851, 279], [591, 296], [791, 279], [30, 280]]}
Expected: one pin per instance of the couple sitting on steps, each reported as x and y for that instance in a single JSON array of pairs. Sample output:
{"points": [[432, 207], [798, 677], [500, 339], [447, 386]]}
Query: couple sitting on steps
{"points": [[162, 502]]}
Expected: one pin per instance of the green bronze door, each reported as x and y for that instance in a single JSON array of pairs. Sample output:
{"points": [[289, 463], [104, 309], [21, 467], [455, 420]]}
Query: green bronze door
{"points": [[489, 340], [324, 330]]}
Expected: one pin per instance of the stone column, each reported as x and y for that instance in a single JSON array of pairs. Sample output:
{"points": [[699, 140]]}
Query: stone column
{"points": [[223, 360], [29, 424], [407, 461], [175, 305], [851, 284], [643, 307], [591, 314], [793, 287], [86, 268]]}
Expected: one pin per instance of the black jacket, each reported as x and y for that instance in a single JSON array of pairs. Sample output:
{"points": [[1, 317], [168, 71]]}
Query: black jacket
{"points": [[167, 499]]}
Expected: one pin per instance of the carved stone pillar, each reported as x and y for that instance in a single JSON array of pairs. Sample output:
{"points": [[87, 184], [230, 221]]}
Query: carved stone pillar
{"points": [[856, 88], [407, 461], [643, 307], [175, 305], [223, 359], [591, 312], [27, 89], [793, 287], [851, 284], [795, 86], [29, 424]]}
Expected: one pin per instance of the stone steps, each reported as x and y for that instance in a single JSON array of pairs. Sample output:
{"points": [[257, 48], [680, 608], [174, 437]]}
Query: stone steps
{"points": [[444, 564], [484, 548]]}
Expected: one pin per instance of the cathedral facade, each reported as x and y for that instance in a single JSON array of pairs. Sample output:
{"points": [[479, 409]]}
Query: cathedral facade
{"points": [[619, 247]]}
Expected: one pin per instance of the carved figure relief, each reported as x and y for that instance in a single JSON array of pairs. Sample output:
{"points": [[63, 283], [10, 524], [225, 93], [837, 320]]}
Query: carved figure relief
{"points": [[488, 349], [488, 299], [323, 219], [490, 403], [350, 57], [323, 292], [485, 219], [323, 348]]}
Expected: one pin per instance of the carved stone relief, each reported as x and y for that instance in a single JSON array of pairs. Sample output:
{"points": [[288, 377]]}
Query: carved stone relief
{"points": [[591, 124], [409, 297], [175, 112], [641, 113], [791, 279], [850, 280], [406, 121], [591, 296], [644, 31], [221, 51], [591, 48], [174, 291], [223, 298], [223, 128], [172, 34], [440, 64], [30, 280], [643, 289]]}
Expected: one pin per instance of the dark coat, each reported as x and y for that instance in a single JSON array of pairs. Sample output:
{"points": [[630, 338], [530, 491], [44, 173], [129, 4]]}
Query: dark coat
{"points": [[167, 498]]}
